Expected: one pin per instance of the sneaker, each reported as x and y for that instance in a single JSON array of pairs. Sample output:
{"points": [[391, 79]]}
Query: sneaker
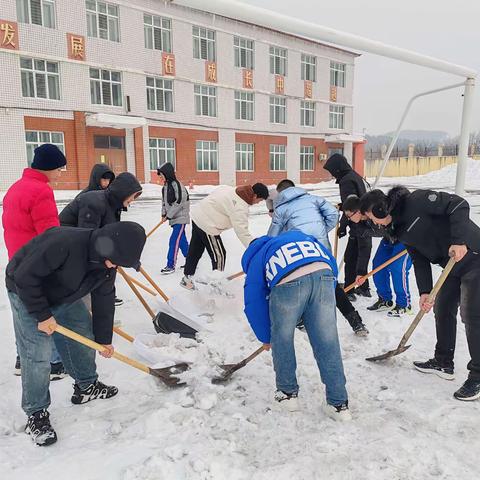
{"points": [[167, 270], [93, 391], [39, 428], [398, 311], [337, 412], [469, 391], [357, 325], [351, 296], [381, 305], [57, 371], [289, 401], [17, 369], [363, 292], [432, 366], [118, 302], [187, 282]]}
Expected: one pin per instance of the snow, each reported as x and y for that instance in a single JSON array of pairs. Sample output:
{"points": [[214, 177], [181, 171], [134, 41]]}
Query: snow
{"points": [[406, 425]]}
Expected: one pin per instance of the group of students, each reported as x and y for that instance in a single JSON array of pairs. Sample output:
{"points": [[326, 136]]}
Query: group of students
{"points": [[67, 274]]}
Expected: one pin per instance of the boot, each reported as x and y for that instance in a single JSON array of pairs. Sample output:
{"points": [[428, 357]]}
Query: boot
{"points": [[39, 428], [93, 391], [356, 323]]}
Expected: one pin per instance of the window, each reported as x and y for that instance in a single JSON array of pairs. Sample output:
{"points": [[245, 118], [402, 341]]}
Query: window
{"points": [[244, 105], [102, 20], [331, 151], [207, 156], [307, 113], [205, 100], [278, 158], [204, 43], [307, 158], [159, 94], [162, 150], [106, 87], [34, 139], [337, 117], [337, 74], [109, 141], [278, 61], [244, 157], [39, 12], [243, 50], [40, 78], [309, 67], [158, 33], [278, 110]]}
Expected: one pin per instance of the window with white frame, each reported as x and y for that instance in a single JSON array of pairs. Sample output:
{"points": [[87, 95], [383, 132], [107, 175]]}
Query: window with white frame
{"points": [[307, 113], [204, 44], [243, 49], [35, 138], [337, 74], [278, 61], [307, 158], [309, 67], [337, 117], [207, 156], [205, 100], [39, 12], [278, 109], [278, 158], [244, 105], [159, 94], [157, 32], [106, 87], [102, 20], [244, 157], [162, 150], [40, 78]]}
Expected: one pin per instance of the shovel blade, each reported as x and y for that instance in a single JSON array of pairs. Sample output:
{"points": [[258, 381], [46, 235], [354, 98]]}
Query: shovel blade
{"points": [[228, 370], [168, 374], [391, 353]]}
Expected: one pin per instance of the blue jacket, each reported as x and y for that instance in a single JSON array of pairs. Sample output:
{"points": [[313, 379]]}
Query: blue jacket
{"points": [[266, 261], [295, 209]]}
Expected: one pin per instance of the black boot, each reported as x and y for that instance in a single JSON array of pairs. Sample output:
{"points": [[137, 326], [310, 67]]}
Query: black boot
{"points": [[93, 391], [470, 390], [39, 428], [356, 323], [363, 291]]}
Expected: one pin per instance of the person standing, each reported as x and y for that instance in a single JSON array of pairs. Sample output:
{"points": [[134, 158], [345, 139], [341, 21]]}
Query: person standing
{"points": [[359, 248], [101, 177], [435, 226], [175, 209], [29, 209]]}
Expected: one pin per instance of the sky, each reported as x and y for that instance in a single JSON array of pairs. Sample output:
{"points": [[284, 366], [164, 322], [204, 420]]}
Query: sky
{"points": [[446, 29]]}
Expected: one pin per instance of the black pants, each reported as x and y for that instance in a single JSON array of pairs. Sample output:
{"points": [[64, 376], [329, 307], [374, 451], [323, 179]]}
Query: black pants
{"points": [[342, 301], [357, 247], [198, 243], [459, 290]]}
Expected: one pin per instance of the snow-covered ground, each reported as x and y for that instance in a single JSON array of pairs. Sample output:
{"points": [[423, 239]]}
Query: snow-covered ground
{"points": [[406, 425]]}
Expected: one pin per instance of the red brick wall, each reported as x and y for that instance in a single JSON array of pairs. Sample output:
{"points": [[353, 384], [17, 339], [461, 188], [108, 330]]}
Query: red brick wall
{"points": [[359, 158], [318, 174], [139, 158]]}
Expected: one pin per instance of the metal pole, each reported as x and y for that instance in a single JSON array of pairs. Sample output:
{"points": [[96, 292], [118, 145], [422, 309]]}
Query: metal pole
{"points": [[468, 99]]}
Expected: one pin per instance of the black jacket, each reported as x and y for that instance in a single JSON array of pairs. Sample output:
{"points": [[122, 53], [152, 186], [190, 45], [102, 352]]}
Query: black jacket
{"points": [[428, 222], [64, 264], [98, 208], [99, 171]]}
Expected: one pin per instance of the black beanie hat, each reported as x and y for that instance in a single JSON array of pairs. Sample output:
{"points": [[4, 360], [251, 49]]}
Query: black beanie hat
{"points": [[48, 157], [260, 190]]}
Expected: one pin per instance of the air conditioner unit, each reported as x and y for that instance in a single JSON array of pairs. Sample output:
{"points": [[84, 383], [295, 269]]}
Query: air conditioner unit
{"points": [[322, 156]]}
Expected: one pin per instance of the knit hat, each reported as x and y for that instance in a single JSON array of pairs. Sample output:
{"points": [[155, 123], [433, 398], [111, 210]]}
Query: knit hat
{"points": [[48, 157]]}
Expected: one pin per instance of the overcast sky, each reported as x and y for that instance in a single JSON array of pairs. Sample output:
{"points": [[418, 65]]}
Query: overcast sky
{"points": [[446, 29]]}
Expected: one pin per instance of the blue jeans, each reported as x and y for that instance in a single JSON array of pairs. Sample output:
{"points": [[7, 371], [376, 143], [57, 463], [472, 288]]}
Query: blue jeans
{"points": [[35, 350], [178, 240], [398, 271], [311, 298]]}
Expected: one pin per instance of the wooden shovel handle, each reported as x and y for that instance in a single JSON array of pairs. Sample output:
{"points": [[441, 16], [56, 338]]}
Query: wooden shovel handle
{"points": [[123, 334], [155, 227], [235, 275], [121, 271], [255, 354], [335, 241], [142, 285], [153, 284], [100, 348]]}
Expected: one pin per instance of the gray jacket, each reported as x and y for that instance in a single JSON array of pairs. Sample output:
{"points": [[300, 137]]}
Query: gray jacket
{"points": [[177, 213]]}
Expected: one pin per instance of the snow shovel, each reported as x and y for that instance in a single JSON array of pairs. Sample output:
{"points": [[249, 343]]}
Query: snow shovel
{"points": [[231, 368], [402, 345], [153, 230], [166, 374]]}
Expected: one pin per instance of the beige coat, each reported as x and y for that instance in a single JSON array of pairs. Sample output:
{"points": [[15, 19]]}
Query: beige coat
{"points": [[221, 210]]}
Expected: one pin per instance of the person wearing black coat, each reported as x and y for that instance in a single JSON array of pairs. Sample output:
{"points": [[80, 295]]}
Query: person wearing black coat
{"points": [[101, 177], [435, 226], [359, 245], [46, 281]]}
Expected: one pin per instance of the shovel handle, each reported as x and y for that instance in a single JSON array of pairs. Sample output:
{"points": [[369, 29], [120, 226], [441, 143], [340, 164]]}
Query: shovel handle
{"points": [[335, 241], [100, 348], [153, 284], [235, 275], [123, 334], [121, 271], [142, 286], [255, 354], [155, 228]]}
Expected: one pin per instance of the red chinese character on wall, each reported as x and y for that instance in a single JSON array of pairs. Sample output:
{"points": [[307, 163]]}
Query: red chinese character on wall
{"points": [[168, 62], [211, 72], [76, 46], [247, 78], [8, 35], [279, 84]]}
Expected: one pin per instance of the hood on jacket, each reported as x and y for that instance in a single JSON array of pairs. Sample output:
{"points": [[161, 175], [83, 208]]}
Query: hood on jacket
{"points": [[396, 197], [168, 171], [288, 195], [246, 193], [122, 187], [120, 242], [99, 171], [337, 165], [252, 250]]}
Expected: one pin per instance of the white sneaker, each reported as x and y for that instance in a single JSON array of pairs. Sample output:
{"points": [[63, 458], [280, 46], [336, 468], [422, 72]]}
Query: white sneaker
{"points": [[339, 413], [288, 401], [187, 282]]}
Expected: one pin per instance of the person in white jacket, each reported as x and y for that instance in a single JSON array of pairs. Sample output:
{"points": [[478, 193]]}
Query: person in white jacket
{"points": [[226, 207]]}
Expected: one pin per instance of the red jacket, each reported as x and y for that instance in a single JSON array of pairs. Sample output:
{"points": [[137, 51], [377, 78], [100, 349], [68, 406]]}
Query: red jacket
{"points": [[29, 209]]}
